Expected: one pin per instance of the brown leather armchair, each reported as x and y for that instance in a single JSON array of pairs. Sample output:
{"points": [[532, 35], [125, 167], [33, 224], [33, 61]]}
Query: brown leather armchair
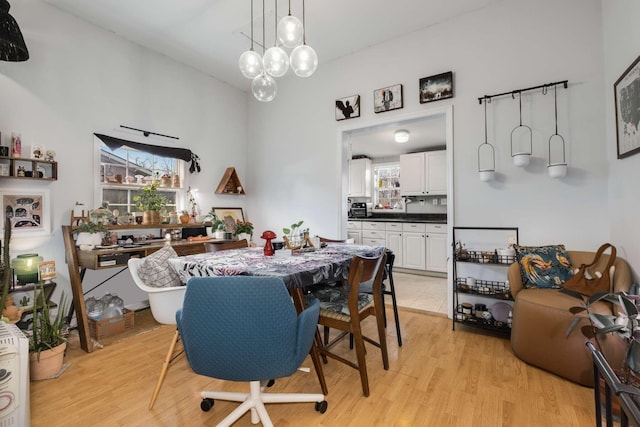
{"points": [[541, 318]]}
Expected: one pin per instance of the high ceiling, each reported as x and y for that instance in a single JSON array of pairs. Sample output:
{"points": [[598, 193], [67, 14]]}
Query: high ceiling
{"points": [[210, 35]]}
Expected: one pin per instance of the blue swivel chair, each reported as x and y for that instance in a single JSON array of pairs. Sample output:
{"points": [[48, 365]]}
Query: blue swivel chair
{"points": [[241, 328]]}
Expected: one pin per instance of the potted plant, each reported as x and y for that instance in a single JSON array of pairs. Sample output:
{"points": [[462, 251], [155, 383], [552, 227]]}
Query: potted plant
{"points": [[219, 229], [244, 230], [90, 234], [151, 202], [184, 217], [292, 238], [6, 272], [48, 338]]}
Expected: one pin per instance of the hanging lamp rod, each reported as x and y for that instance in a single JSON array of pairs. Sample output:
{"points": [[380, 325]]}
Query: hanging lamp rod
{"points": [[147, 133], [514, 92]]}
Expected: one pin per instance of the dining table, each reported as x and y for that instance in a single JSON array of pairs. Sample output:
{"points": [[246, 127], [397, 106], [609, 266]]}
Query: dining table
{"points": [[297, 269]]}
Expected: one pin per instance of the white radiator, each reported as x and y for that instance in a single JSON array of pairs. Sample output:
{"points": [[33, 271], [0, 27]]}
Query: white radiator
{"points": [[14, 377]]}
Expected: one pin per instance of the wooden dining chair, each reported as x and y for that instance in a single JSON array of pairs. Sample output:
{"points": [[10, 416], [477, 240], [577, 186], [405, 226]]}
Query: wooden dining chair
{"points": [[344, 308], [215, 247]]}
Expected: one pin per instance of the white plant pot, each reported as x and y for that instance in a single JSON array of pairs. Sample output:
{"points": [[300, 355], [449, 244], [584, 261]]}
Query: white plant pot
{"points": [[209, 231], [219, 234], [521, 159], [557, 170], [246, 236], [487, 175], [90, 239]]}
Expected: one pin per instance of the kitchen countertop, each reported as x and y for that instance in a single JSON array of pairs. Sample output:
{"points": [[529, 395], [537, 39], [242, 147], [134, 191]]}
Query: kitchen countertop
{"points": [[425, 218]]}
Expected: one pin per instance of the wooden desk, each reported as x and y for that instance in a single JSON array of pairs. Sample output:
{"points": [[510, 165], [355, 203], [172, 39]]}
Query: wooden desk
{"points": [[79, 261]]}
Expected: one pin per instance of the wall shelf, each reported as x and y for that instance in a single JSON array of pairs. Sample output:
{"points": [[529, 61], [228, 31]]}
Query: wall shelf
{"points": [[230, 183], [48, 168]]}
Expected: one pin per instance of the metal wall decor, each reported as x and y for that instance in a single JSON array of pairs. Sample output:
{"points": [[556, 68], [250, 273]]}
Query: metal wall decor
{"points": [[521, 156], [556, 169]]}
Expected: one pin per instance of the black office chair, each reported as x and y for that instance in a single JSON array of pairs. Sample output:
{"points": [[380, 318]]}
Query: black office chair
{"points": [[388, 290]]}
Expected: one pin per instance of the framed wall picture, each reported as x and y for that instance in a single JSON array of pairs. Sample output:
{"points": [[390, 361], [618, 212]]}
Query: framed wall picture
{"points": [[37, 151], [29, 211], [234, 213], [348, 107], [627, 99], [387, 99], [436, 88]]}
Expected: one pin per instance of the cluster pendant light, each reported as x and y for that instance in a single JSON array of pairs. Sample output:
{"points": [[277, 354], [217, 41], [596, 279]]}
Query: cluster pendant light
{"points": [[275, 62], [12, 45]]}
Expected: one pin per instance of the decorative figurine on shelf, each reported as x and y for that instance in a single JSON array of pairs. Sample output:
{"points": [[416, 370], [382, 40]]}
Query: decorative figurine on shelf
{"points": [[49, 155], [268, 247]]}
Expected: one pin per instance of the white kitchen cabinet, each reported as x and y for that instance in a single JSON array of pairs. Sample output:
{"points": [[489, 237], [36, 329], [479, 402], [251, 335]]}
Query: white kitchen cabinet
{"points": [[414, 246], [354, 231], [423, 173], [394, 244], [373, 237], [436, 248], [360, 178]]}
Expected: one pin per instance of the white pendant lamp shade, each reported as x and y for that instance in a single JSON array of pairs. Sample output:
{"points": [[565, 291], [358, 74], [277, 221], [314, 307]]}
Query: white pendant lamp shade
{"points": [[264, 88], [304, 61], [250, 64], [290, 31], [276, 61], [521, 159]]}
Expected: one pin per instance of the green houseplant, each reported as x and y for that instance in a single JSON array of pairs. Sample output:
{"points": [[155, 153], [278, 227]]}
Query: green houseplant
{"points": [[48, 338], [151, 202], [244, 230], [90, 233], [6, 274]]}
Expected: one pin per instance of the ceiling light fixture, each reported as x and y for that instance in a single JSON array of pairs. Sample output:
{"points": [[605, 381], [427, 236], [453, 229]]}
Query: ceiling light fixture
{"points": [[12, 45], [250, 62], [401, 136], [304, 60], [276, 60], [264, 86], [290, 30]]}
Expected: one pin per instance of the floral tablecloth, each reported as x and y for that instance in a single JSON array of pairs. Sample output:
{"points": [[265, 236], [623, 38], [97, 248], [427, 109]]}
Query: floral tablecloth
{"points": [[298, 270]]}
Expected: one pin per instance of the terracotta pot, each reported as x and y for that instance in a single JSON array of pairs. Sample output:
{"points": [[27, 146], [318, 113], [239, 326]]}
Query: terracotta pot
{"points": [[151, 217], [50, 362], [185, 218]]}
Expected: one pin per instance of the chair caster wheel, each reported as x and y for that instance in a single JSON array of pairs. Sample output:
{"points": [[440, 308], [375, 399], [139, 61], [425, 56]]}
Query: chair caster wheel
{"points": [[322, 406], [207, 404], [271, 383]]}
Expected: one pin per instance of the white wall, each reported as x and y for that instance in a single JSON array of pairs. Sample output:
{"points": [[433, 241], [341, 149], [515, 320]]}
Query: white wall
{"points": [[81, 79], [622, 47], [295, 157]]}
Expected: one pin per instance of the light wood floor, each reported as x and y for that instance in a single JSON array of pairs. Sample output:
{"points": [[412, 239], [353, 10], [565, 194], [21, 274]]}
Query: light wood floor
{"points": [[438, 378]]}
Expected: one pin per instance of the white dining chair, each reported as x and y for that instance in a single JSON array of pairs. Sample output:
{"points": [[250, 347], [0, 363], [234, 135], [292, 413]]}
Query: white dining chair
{"points": [[164, 302]]}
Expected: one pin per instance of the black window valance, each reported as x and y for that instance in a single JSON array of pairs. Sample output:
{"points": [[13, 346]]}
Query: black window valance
{"points": [[174, 153]]}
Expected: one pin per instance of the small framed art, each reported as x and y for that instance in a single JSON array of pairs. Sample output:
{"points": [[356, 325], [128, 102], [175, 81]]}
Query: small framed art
{"points": [[436, 88], [627, 99], [29, 211], [234, 213], [387, 98], [348, 107]]}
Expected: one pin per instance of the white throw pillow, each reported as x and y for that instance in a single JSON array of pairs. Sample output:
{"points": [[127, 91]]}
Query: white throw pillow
{"points": [[155, 271]]}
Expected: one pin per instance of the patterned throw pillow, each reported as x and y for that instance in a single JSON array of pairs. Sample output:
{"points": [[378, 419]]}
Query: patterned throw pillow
{"points": [[155, 271], [544, 266]]}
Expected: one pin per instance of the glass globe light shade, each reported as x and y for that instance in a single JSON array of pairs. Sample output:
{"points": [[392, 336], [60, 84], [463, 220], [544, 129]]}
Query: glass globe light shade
{"points": [[290, 31], [304, 60], [276, 61], [264, 88], [250, 63]]}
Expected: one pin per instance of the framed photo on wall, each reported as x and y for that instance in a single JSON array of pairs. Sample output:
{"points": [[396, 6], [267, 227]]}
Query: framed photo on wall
{"points": [[436, 88], [29, 211], [348, 107], [387, 98], [234, 213], [627, 99]]}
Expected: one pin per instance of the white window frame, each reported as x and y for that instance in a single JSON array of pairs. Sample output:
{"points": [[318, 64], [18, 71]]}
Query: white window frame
{"points": [[100, 185]]}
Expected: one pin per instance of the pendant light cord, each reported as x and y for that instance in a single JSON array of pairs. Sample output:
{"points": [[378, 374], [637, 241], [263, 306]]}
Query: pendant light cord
{"points": [[251, 24], [304, 26], [289, 7], [520, 108], [555, 103], [275, 26], [263, 38], [485, 123]]}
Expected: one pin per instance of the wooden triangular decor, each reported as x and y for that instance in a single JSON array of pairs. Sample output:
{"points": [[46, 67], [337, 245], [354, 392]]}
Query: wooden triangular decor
{"points": [[230, 183]]}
